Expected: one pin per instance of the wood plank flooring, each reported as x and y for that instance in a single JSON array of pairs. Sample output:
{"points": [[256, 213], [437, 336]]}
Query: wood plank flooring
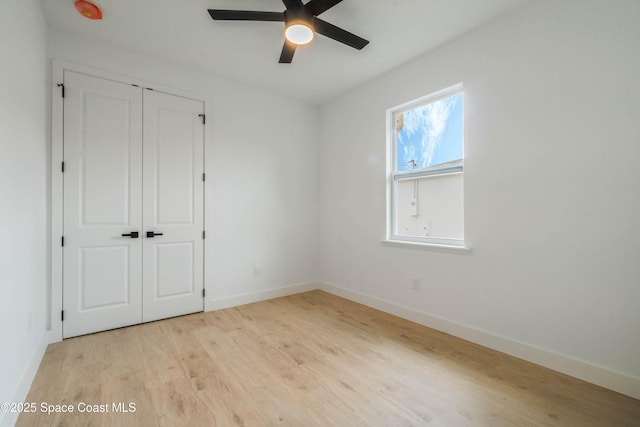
{"points": [[310, 359]]}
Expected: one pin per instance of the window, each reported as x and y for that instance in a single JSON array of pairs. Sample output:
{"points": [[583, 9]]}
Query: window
{"points": [[426, 167]]}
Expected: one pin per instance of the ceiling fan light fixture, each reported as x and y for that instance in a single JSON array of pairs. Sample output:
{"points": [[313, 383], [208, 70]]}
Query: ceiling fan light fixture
{"points": [[298, 33]]}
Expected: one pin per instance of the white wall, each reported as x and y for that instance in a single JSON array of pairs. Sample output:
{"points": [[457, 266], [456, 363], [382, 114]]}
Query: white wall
{"points": [[431, 206], [23, 195], [262, 175], [552, 185]]}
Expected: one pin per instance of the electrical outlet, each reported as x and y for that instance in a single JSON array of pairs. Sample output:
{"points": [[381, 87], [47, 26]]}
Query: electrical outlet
{"points": [[416, 285], [256, 270], [29, 322]]}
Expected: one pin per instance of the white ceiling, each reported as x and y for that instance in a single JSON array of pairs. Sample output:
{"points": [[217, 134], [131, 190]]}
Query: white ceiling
{"points": [[247, 52]]}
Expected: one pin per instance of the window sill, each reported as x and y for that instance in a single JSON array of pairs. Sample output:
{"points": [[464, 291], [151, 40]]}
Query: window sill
{"points": [[428, 246]]}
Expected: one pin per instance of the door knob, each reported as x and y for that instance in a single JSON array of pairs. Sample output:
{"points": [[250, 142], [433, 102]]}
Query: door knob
{"points": [[133, 235], [152, 234]]}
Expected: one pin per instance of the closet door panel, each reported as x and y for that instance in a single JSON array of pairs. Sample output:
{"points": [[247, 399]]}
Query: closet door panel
{"points": [[102, 271], [173, 206]]}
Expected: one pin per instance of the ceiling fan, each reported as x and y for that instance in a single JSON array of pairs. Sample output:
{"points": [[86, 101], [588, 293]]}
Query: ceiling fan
{"points": [[300, 21]]}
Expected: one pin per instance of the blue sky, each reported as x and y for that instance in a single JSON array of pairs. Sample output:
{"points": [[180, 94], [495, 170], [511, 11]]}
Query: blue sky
{"points": [[432, 134]]}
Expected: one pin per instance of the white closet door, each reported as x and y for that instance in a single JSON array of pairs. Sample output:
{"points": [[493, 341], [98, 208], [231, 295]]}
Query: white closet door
{"points": [[102, 271], [173, 206]]}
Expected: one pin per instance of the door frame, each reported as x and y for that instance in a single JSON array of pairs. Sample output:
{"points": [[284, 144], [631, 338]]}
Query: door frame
{"points": [[57, 154]]}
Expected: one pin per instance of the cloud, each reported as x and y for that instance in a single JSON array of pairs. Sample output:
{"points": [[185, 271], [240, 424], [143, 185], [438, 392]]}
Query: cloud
{"points": [[428, 121]]}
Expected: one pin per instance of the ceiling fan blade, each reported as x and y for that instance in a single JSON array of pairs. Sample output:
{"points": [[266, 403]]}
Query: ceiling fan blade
{"points": [[338, 34], [245, 15], [292, 4], [287, 52], [316, 7]]}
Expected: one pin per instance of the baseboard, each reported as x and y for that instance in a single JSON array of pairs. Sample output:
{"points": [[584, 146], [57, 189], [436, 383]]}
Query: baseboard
{"points": [[8, 419], [598, 375], [248, 298]]}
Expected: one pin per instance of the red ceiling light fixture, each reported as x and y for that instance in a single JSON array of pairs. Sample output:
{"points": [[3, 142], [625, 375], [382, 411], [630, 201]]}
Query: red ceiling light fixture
{"points": [[88, 9]]}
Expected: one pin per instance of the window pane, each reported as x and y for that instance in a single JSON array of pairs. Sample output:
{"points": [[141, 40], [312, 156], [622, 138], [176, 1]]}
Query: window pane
{"points": [[430, 135], [430, 207]]}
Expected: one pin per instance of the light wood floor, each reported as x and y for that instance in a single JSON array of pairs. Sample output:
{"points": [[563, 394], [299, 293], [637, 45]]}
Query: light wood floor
{"points": [[311, 359]]}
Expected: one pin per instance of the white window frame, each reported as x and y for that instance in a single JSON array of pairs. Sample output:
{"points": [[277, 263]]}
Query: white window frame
{"points": [[393, 176]]}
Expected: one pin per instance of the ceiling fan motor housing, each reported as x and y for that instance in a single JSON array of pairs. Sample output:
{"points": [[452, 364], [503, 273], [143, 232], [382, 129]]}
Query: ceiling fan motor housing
{"points": [[298, 16]]}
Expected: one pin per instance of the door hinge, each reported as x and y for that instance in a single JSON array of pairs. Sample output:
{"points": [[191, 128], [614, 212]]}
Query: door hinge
{"points": [[203, 234], [62, 241], [62, 315], [61, 86], [203, 177], [203, 292], [204, 118], [62, 167]]}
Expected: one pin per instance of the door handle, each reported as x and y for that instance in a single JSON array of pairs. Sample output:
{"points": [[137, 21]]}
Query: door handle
{"points": [[133, 235], [152, 234]]}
